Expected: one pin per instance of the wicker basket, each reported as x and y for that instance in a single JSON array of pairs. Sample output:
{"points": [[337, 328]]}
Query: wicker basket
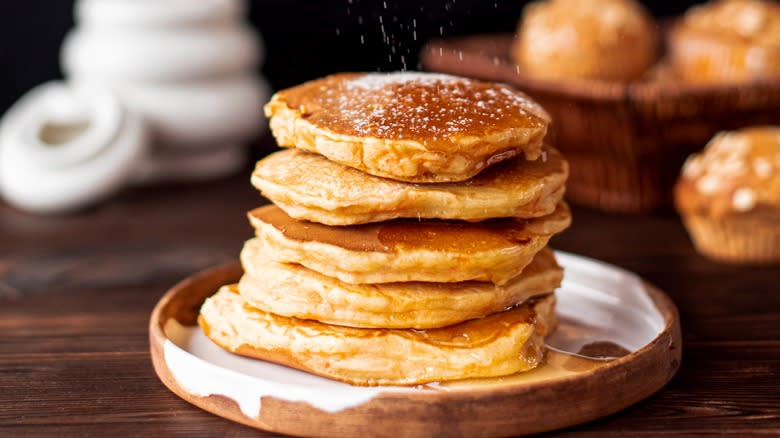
{"points": [[625, 142]]}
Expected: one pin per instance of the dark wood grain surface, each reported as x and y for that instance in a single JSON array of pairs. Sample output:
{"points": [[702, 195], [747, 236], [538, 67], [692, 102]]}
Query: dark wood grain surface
{"points": [[76, 293]]}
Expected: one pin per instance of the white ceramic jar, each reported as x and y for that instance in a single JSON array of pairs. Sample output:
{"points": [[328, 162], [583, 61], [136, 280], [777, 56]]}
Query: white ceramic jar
{"points": [[195, 115], [160, 55], [157, 90], [160, 13], [187, 66]]}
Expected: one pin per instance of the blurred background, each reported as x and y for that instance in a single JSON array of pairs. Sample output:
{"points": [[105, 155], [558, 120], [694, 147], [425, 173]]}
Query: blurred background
{"points": [[304, 39]]}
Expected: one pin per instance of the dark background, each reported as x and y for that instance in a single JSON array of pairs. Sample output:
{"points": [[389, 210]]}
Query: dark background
{"points": [[304, 39]]}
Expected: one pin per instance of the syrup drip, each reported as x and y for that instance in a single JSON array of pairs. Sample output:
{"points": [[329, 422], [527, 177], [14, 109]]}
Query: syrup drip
{"points": [[398, 235], [469, 334], [556, 365]]}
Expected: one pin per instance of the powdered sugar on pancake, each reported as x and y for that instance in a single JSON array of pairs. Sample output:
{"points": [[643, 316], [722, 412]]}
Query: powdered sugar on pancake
{"points": [[378, 81], [424, 106]]}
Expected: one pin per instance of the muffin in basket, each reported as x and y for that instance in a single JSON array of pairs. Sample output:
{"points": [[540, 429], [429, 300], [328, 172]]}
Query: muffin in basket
{"points": [[625, 132], [729, 196], [727, 41], [599, 39]]}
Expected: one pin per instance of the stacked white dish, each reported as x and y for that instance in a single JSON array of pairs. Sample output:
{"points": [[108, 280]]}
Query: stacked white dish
{"points": [[180, 78]]}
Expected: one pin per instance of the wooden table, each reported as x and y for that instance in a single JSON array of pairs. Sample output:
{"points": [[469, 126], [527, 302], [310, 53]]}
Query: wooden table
{"points": [[76, 293]]}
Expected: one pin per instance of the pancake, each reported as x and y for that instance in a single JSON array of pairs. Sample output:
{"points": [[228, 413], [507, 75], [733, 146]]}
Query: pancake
{"points": [[311, 187], [406, 249], [501, 344], [409, 126], [295, 291]]}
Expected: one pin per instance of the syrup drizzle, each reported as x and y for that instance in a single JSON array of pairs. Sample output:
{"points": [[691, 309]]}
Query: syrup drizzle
{"points": [[557, 363], [404, 234]]}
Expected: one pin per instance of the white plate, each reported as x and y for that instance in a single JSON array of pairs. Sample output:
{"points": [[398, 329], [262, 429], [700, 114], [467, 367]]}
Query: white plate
{"points": [[596, 303], [603, 310]]}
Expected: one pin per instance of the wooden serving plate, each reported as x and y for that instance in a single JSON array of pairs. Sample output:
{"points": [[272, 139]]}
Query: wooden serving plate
{"points": [[599, 305]]}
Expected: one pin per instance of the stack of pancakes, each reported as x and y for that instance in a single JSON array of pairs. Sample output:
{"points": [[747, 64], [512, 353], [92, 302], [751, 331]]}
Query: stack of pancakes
{"points": [[407, 243]]}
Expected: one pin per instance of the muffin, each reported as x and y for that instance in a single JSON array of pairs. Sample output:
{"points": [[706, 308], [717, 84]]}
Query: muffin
{"points": [[612, 40], [729, 196], [727, 41]]}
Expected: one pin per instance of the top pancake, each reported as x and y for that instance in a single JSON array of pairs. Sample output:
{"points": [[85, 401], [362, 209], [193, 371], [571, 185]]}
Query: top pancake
{"points": [[411, 126], [311, 187]]}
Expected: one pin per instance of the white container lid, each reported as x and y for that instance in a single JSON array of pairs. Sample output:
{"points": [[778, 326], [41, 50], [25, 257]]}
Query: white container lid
{"points": [[64, 148]]}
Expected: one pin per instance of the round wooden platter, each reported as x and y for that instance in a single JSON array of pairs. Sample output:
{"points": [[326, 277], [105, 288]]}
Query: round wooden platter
{"points": [[598, 304]]}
